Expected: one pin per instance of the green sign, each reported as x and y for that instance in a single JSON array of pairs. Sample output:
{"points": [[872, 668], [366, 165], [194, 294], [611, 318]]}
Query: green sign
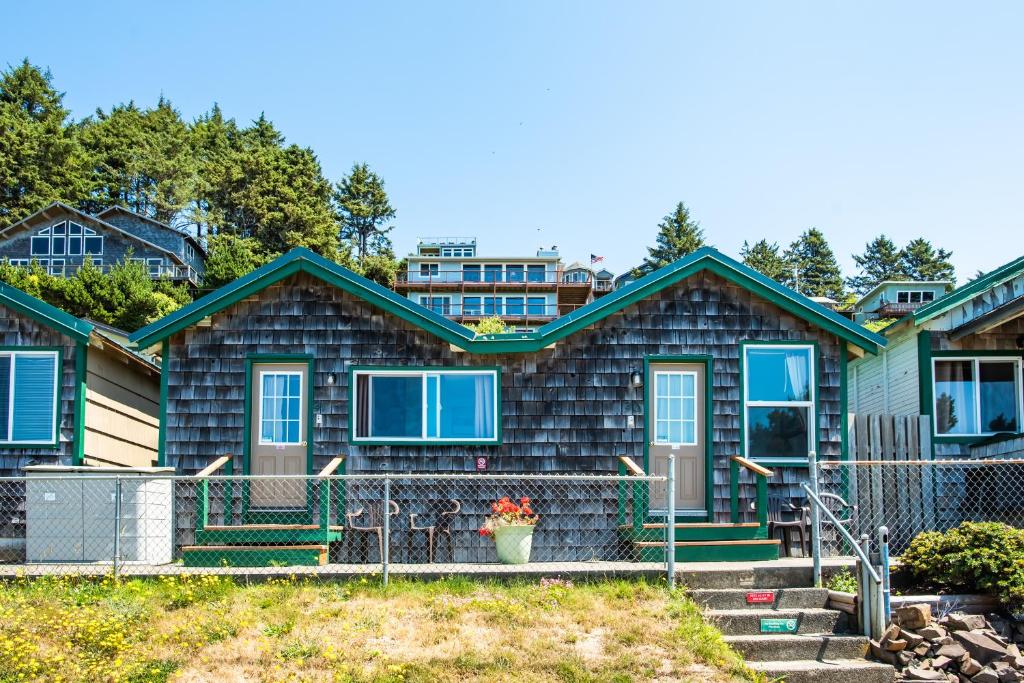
{"points": [[778, 625]]}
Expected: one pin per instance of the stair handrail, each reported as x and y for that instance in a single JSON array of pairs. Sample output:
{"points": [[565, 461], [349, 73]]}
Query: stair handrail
{"points": [[628, 467], [325, 491], [203, 500], [871, 615], [762, 474], [631, 467]]}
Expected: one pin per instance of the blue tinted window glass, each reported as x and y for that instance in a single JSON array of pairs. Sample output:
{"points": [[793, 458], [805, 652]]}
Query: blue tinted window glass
{"points": [[777, 432], [536, 305], [396, 406], [432, 405], [778, 374], [467, 406], [94, 245], [471, 305], [58, 245], [34, 397], [997, 381], [535, 273], [40, 246], [955, 397], [5, 395], [491, 306], [514, 305]]}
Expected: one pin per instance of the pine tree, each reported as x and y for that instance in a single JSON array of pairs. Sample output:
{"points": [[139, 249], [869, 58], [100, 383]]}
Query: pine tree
{"points": [[365, 212], [880, 261], [920, 261], [678, 236], [813, 269], [764, 257], [40, 159]]}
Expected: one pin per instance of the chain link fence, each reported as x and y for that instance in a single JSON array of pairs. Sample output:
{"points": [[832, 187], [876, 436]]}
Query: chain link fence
{"points": [[912, 496], [325, 526]]}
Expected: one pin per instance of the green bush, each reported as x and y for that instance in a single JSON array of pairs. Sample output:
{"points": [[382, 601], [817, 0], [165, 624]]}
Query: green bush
{"points": [[975, 557]]}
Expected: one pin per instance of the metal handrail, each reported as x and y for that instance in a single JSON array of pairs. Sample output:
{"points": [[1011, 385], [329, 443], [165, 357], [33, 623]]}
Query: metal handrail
{"points": [[842, 530]]}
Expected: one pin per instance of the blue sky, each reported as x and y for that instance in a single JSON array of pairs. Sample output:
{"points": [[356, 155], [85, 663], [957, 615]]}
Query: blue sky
{"points": [[582, 123]]}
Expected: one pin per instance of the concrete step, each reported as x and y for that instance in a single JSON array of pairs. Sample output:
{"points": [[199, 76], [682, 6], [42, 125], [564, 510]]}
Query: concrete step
{"points": [[738, 622], [736, 598], [776, 647], [838, 671], [782, 573]]}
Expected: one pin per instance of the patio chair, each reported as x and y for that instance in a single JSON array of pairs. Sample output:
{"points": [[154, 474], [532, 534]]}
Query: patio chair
{"points": [[843, 511], [779, 509], [373, 523], [437, 522]]}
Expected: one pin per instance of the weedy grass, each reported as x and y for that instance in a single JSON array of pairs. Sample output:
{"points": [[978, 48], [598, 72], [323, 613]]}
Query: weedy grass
{"points": [[210, 628]]}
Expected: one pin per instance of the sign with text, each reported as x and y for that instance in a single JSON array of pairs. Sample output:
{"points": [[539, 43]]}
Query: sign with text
{"points": [[778, 625], [760, 597]]}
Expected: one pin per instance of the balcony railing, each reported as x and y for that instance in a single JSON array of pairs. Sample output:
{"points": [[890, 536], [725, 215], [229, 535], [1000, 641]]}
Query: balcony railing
{"points": [[513, 312], [892, 308], [416, 277], [184, 273], [603, 285], [447, 241]]}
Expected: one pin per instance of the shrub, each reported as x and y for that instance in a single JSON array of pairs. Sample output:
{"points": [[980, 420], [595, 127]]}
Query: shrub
{"points": [[843, 582], [985, 557]]}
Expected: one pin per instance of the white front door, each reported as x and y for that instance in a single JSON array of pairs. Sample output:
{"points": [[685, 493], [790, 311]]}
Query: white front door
{"points": [[278, 434], [675, 424]]}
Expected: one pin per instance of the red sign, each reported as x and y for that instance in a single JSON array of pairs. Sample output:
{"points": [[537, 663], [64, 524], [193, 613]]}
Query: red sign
{"points": [[481, 464], [760, 597]]}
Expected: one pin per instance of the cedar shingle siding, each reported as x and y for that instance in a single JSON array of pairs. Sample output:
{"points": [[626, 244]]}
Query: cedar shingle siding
{"points": [[562, 410]]}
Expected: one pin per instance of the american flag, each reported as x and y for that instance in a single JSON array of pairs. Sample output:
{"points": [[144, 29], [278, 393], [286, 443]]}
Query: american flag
{"points": [[594, 258]]}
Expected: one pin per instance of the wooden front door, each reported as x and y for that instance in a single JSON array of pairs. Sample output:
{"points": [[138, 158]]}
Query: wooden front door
{"points": [[278, 438], [675, 424]]}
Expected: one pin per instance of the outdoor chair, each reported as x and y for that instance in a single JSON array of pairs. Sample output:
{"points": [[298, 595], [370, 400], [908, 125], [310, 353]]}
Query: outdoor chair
{"points": [[372, 523], [437, 522], [843, 511], [785, 516]]}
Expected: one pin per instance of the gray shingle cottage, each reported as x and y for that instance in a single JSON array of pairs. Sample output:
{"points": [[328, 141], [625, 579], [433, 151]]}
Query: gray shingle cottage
{"points": [[302, 361]]}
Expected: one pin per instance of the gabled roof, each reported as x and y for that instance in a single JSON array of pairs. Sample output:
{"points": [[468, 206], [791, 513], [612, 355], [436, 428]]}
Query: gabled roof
{"points": [[909, 284], [29, 221], [305, 261], [44, 313], [969, 290], [154, 222]]}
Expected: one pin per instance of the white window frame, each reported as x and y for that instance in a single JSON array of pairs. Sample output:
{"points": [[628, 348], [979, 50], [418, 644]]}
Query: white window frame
{"points": [[158, 262], [811, 405], [975, 361], [422, 374], [302, 407], [446, 303], [6, 440], [680, 373]]}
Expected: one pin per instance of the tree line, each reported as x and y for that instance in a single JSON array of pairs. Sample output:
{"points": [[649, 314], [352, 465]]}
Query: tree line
{"points": [[808, 264], [241, 189]]}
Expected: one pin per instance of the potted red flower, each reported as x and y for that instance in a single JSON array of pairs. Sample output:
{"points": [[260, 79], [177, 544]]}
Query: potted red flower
{"points": [[511, 526]]}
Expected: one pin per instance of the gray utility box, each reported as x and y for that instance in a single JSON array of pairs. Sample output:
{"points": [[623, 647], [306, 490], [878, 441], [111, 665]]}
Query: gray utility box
{"points": [[70, 514]]}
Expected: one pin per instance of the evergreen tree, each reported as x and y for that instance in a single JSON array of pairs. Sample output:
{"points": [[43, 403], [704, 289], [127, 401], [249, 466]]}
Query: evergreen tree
{"points": [[215, 144], [813, 269], [920, 261], [678, 236], [140, 159], [764, 257], [40, 160], [880, 261], [365, 212], [229, 257]]}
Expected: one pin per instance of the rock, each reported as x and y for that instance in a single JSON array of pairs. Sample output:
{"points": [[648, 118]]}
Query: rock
{"points": [[914, 616], [919, 674], [981, 647], [885, 656], [1009, 675], [1012, 650], [895, 645], [970, 667], [952, 650], [913, 640], [964, 622], [986, 675], [931, 632], [941, 662], [923, 649]]}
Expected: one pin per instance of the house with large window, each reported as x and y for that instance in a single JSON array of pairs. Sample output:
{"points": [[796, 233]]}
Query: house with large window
{"points": [[448, 276], [955, 358], [302, 361], [896, 298], [61, 238]]}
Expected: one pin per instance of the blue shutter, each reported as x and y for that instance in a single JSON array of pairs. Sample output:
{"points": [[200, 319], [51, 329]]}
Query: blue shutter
{"points": [[34, 398], [5, 397]]}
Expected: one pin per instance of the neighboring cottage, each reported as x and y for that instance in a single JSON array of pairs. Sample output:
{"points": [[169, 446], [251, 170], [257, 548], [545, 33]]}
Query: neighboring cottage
{"points": [[956, 358], [448, 276], [897, 298], [302, 361], [61, 238]]}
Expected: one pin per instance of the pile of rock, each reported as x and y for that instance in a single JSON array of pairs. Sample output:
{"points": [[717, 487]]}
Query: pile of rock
{"points": [[956, 648]]}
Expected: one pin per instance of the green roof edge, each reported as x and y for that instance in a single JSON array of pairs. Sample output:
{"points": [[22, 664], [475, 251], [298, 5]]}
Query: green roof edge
{"points": [[305, 260], [961, 294], [44, 313]]}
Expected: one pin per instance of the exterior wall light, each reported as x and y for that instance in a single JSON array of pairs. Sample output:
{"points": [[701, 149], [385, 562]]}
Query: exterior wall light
{"points": [[331, 379], [635, 378]]}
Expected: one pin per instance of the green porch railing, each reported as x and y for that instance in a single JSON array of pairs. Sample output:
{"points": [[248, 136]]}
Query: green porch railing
{"points": [[325, 491], [203, 500], [762, 474], [639, 508]]}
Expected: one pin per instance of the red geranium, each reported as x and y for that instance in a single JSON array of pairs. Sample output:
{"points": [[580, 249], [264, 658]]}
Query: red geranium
{"points": [[504, 512]]}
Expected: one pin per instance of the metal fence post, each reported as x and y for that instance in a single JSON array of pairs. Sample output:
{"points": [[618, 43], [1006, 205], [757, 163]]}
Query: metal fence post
{"points": [[117, 525], [812, 474], [386, 547], [866, 591], [670, 521], [883, 555]]}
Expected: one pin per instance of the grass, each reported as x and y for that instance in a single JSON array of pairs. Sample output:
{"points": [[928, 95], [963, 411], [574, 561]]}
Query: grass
{"points": [[212, 629]]}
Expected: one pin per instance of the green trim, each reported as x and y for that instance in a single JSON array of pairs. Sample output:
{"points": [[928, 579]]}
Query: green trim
{"points": [[924, 381], [844, 404], [54, 443], [305, 261], [498, 433], [709, 446], [81, 372], [165, 365], [971, 289], [781, 462], [928, 391], [45, 314]]}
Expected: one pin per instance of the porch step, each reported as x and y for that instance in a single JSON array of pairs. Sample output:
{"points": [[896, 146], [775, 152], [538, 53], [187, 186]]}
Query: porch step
{"points": [[786, 573], [837, 671], [697, 531], [747, 550], [736, 622], [254, 555], [251, 534], [736, 598], [826, 647]]}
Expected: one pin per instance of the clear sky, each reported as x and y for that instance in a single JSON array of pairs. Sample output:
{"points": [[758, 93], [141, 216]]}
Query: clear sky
{"points": [[581, 124]]}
